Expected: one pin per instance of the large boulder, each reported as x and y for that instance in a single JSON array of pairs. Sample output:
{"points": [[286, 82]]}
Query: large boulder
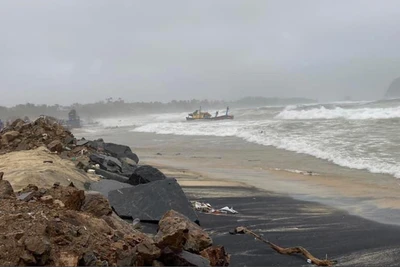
{"points": [[120, 151], [106, 186], [149, 202], [145, 174], [176, 231]]}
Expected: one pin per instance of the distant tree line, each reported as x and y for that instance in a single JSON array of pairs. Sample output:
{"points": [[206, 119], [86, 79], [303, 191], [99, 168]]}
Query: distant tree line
{"points": [[118, 107]]}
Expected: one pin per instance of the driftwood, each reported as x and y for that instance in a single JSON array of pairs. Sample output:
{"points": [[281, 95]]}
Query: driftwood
{"points": [[287, 251]]}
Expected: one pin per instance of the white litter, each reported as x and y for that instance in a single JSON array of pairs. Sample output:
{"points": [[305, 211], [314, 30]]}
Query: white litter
{"points": [[230, 210]]}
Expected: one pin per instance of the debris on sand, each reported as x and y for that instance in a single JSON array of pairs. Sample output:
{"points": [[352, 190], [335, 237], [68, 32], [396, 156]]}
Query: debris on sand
{"points": [[207, 208]]}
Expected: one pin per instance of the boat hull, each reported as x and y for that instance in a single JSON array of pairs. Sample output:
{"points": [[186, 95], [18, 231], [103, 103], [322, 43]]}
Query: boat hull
{"points": [[224, 117]]}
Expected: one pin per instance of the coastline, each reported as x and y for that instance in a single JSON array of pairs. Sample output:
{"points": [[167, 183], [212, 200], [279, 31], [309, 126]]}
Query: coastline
{"points": [[371, 196], [288, 220]]}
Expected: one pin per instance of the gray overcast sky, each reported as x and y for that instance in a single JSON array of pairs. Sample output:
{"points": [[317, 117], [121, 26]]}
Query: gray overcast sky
{"points": [[69, 51]]}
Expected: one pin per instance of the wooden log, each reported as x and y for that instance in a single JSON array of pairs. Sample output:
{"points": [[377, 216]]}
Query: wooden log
{"points": [[287, 251]]}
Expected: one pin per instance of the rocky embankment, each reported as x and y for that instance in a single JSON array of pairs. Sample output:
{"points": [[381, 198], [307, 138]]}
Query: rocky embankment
{"points": [[59, 223]]}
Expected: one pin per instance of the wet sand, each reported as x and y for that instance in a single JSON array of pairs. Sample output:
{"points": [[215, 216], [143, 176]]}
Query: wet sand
{"points": [[323, 230]]}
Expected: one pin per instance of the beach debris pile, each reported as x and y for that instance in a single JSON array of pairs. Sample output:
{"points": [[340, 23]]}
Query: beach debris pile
{"points": [[21, 135], [65, 226], [207, 208]]}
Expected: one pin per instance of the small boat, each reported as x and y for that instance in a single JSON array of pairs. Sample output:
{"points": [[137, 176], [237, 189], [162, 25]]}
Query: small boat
{"points": [[198, 115]]}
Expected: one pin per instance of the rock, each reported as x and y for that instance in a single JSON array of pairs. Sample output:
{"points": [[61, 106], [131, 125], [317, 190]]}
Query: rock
{"points": [[120, 226], [47, 199], [59, 203], [106, 186], [120, 151], [145, 174], [28, 258], [177, 231], [216, 255], [82, 142], [69, 140], [55, 146], [88, 259], [26, 196], [126, 168], [147, 252], [112, 176], [67, 259], [96, 204], [129, 161], [6, 190], [71, 197], [10, 136], [184, 258], [157, 263], [40, 248], [149, 202], [107, 163]]}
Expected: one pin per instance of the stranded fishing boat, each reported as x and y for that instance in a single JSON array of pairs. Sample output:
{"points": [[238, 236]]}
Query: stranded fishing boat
{"points": [[198, 115]]}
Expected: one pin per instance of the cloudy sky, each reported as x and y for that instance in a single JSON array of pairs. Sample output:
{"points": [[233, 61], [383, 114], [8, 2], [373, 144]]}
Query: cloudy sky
{"points": [[70, 51]]}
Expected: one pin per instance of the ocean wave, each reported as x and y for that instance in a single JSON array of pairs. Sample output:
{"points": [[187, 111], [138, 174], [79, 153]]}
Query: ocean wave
{"points": [[339, 113], [271, 133]]}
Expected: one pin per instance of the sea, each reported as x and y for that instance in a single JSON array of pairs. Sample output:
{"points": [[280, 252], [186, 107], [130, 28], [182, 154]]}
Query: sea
{"points": [[361, 135]]}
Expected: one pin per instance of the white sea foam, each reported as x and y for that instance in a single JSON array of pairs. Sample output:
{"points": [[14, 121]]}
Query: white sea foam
{"points": [[141, 119], [338, 112], [270, 133]]}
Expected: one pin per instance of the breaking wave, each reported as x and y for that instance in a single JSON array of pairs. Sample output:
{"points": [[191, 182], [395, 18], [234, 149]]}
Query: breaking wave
{"points": [[339, 113], [275, 133]]}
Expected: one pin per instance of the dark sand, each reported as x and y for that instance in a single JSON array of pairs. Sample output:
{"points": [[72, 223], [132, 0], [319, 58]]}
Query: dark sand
{"points": [[351, 240]]}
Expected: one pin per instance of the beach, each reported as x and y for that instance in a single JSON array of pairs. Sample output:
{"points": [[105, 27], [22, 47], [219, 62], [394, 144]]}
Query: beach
{"points": [[341, 213]]}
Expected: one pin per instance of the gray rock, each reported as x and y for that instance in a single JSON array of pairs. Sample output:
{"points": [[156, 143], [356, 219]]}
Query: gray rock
{"points": [[183, 258], [26, 196], [112, 176], [149, 202], [120, 151], [106, 186], [145, 174]]}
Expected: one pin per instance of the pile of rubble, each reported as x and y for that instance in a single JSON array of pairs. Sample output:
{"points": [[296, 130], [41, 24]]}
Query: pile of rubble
{"points": [[21, 135], [65, 226]]}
